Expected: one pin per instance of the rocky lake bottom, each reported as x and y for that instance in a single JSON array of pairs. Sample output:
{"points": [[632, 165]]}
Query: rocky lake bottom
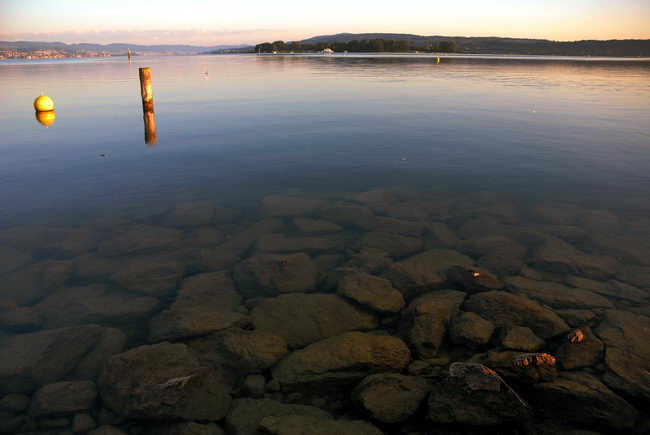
{"points": [[385, 311]]}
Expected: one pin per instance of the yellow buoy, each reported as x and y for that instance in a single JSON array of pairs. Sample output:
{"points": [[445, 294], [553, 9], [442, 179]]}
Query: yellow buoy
{"points": [[43, 104], [46, 118]]}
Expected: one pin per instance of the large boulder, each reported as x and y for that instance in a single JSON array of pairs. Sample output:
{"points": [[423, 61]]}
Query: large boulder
{"points": [[93, 304], [372, 291], [241, 351], [627, 354], [245, 414], [424, 271], [578, 397], [28, 361], [29, 284], [301, 319], [507, 310], [522, 367], [475, 395], [390, 397], [272, 274], [426, 319], [337, 363], [163, 382], [296, 424], [556, 295], [63, 398]]}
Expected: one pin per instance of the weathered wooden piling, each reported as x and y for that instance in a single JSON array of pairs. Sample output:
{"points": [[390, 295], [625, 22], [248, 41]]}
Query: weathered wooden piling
{"points": [[150, 136], [145, 89]]}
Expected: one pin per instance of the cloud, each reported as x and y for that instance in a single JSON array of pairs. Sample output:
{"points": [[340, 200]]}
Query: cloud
{"points": [[147, 36]]}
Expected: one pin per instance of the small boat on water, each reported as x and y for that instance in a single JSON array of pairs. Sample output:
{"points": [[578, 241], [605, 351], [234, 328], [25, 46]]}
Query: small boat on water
{"points": [[327, 51]]}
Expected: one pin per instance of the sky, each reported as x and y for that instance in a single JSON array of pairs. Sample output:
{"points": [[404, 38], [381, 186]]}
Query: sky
{"points": [[216, 22]]}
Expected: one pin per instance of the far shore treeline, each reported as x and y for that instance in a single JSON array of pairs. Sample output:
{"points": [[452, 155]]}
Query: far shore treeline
{"points": [[374, 45]]}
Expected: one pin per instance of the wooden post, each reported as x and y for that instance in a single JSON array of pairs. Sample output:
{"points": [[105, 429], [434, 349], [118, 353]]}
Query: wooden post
{"points": [[150, 136], [145, 89]]}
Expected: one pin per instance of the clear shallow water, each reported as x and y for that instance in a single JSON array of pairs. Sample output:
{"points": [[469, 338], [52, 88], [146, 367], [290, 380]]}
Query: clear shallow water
{"points": [[536, 169]]}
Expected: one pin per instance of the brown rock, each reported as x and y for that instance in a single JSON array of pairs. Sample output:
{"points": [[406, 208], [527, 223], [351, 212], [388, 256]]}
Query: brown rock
{"points": [[494, 245], [205, 237], [395, 244], [29, 284], [181, 322], [301, 319], [390, 397], [473, 394], [140, 239], [11, 259], [611, 288], [213, 290], [63, 398], [272, 274], [523, 367], [150, 276], [278, 243], [556, 295], [297, 424], [370, 259], [278, 205], [244, 352], [389, 225], [581, 348], [522, 338], [378, 200], [471, 330], [343, 213], [635, 275], [197, 213], [627, 354], [337, 363], [19, 320], [316, 226], [372, 291], [424, 271], [558, 256], [93, 304], [507, 310]]}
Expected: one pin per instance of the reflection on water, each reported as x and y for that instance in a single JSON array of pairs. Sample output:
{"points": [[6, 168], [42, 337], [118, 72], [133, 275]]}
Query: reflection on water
{"points": [[309, 221], [46, 118]]}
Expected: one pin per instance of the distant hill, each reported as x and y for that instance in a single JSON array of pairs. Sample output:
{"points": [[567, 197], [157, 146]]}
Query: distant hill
{"points": [[117, 48], [495, 45]]}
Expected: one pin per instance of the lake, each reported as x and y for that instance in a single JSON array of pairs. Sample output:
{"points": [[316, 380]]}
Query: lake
{"points": [[439, 210]]}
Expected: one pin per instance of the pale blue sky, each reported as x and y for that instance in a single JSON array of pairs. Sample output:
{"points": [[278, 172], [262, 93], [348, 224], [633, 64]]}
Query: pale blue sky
{"points": [[206, 22]]}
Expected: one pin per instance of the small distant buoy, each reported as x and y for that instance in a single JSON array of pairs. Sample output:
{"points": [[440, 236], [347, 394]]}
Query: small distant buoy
{"points": [[46, 118], [43, 104], [438, 59]]}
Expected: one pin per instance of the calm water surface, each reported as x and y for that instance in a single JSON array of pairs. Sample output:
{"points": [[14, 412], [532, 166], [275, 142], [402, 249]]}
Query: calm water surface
{"points": [[536, 169]]}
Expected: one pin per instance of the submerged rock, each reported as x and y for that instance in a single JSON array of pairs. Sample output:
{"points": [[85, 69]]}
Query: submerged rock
{"points": [[390, 397], [283, 425], [301, 319], [19, 319], [374, 292], [395, 244], [279, 205], [241, 351], [185, 321], [557, 295], [198, 213], [507, 310], [63, 398], [370, 260], [93, 304], [522, 338], [28, 361], [29, 284], [424, 271], [425, 320], [611, 288], [471, 330], [140, 239], [473, 394], [246, 414], [337, 363], [522, 367], [389, 225], [185, 428], [279, 243], [213, 290], [272, 274], [163, 382], [316, 226], [627, 354], [343, 213], [580, 348], [150, 276], [578, 397], [558, 256], [11, 259], [635, 275]]}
